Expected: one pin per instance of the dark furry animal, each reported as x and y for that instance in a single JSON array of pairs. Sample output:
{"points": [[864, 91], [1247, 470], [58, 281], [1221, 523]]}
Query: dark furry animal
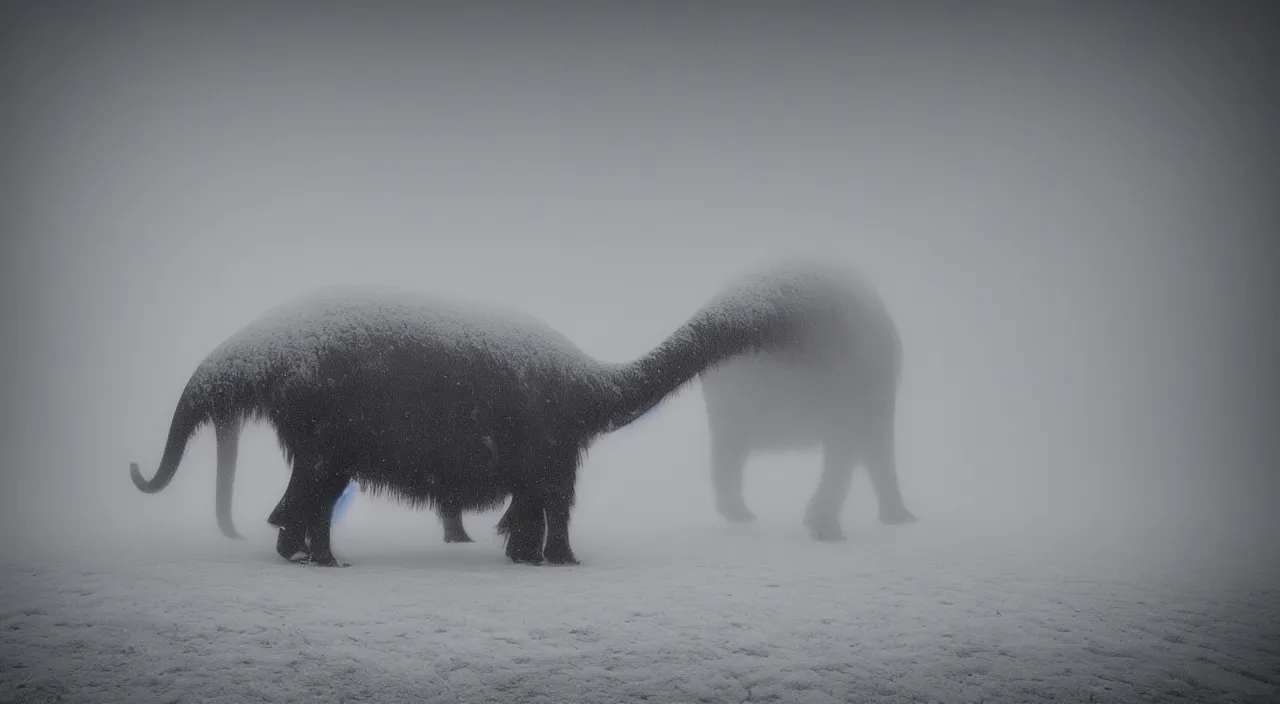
{"points": [[452, 406], [839, 392], [840, 395]]}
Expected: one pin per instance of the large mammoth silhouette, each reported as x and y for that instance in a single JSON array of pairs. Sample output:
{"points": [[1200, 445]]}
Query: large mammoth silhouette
{"points": [[454, 406], [837, 391]]}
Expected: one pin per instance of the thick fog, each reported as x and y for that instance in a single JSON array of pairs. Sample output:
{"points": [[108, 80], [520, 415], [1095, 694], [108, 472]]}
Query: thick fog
{"points": [[1061, 212]]}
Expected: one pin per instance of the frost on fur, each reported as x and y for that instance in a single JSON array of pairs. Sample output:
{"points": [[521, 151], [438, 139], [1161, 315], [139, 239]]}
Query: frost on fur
{"points": [[459, 406]]}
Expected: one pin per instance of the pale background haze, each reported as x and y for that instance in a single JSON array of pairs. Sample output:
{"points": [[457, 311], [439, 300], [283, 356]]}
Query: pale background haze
{"points": [[1065, 212]]}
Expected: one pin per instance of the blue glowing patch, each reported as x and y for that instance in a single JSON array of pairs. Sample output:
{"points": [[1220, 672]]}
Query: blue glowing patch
{"points": [[343, 499]]}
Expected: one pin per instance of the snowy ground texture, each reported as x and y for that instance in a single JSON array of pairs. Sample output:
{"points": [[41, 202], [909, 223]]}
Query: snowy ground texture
{"points": [[706, 613]]}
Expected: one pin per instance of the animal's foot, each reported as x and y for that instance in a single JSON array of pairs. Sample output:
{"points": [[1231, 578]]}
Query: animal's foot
{"points": [[525, 556], [324, 561], [825, 531], [561, 557], [827, 535], [292, 543], [457, 538], [308, 562], [737, 514], [897, 517]]}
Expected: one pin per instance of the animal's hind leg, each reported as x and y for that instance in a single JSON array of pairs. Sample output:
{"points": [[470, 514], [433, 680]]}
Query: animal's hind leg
{"points": [[524, 525], [728, 460], [557, 502], [454, 531], [288, 516], [884, 480], [322, 492], [823, 515], [883, 468]]}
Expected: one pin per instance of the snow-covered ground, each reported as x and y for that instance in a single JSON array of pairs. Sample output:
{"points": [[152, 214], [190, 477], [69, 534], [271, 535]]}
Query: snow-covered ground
{"points": [[1068, 240], [943, 610]]}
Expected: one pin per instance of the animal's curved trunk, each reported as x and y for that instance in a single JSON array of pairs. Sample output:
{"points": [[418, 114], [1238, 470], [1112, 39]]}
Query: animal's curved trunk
{"points": [[722, 330], [228, 432], [186, 418]]}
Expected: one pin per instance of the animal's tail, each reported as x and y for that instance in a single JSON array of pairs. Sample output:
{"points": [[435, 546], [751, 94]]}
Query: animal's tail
{"points": [[210, 396], [188, 416]]}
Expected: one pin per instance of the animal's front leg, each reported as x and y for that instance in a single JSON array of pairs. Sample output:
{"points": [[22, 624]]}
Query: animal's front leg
{"points": [[323, 494], [728, 460], [557, 505], [823, 515], [454, 531], [893, 510], [882, 465], [288, 516], [524, 525]]}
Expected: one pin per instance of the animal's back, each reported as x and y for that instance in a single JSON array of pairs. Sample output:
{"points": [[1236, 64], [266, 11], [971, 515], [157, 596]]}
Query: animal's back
{"points": [[291, 345], [408, 392]]}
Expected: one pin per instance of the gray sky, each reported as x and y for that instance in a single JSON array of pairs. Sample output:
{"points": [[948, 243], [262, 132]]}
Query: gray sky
{"points": [[1064, 209]]}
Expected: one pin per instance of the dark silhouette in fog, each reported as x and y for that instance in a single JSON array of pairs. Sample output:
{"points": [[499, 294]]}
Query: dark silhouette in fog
{"points": [[456, 406], [839, 392]]}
